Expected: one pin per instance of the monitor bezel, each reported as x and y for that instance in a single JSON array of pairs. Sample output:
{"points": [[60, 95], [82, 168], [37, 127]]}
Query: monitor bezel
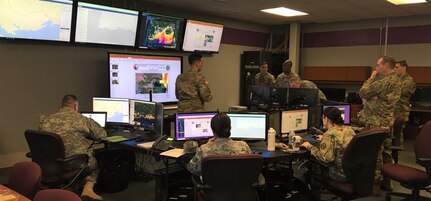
{"points": [[96, 112], [253, 113], [113, 122], [200, 51], [296, 109], [131, 119], [191, 113]]}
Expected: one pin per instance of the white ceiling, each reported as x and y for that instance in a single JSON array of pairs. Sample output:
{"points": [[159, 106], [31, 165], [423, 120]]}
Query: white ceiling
{"points": [[320, 11]]}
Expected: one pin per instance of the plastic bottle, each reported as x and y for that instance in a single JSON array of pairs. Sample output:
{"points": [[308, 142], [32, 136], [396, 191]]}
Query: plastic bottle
{"points": [[271, 139], [291, 138]]}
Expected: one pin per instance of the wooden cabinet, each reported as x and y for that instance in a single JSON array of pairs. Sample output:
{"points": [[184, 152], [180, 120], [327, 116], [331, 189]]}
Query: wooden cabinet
{"points": [[337, 74], [421, 75]]}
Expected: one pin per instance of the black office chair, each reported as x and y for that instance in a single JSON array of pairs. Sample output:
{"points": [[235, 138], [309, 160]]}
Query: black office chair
{"points": [[229, 178], [47, 150], [359, 164]]}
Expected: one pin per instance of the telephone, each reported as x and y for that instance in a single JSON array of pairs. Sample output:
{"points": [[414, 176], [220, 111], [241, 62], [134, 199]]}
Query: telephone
{"points": [[163, 143]]}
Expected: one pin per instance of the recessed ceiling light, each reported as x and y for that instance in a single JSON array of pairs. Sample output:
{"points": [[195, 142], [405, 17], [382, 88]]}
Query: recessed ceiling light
{"points": [[286, 12], [401, 2]]}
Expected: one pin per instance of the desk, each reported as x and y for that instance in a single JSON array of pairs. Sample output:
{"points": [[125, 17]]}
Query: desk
{"points": [[19, 196]]}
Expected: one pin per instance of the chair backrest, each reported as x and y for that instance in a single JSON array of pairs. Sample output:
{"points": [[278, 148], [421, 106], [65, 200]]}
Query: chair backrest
{"points": [[397, 128], [45, 149], [24, 178], [231, 177], [56, 195], [422, 147], [359, 160]]}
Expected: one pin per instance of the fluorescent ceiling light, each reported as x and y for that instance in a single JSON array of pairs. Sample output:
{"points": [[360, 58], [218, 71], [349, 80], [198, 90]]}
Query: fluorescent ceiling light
{"points": [[401, 2], [286, 12]]}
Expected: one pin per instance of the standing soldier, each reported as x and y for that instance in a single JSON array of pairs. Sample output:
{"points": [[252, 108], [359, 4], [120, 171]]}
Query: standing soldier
{"points": [[380, 95], [284, 77], [191, 87], [264, 78], [408, 87]]}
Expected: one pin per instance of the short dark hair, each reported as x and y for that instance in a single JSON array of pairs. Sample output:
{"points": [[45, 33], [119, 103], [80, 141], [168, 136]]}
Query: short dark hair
{"points": [[220, 124], [402, 63], [264, 63], [69, 99], [333, 114], [388, 60], [194, 57]]}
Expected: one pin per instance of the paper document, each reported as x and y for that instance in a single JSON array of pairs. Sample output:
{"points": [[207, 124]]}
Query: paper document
{"points": [[146, 145], [175, 153]]}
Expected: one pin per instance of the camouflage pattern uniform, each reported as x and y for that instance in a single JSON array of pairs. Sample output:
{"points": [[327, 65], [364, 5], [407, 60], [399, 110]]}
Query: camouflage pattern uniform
{"points": [[310, 85], [214, 147], [331, 149], [381, 95], [402, 108], [192, 91], [283, 79], [264, 79], [74, 129]]}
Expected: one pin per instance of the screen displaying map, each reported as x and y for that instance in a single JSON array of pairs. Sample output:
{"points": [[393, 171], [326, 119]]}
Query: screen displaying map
{"points": [[106, 25], [36, 19]]}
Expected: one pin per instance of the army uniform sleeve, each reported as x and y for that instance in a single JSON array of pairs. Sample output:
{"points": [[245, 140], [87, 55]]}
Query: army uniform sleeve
{"points": [[322, 96], [256, 79], [204, 90], [371, 88], [408, 87], [96, 131], [325, 152], [194, 165], [272, 80]]}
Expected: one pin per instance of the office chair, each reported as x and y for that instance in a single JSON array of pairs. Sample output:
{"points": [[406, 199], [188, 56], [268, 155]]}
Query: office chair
{"points": [[24, 178], [56, 195], [409, 177], [396, 133], [359, 164], [229, 178], [47, 150]]}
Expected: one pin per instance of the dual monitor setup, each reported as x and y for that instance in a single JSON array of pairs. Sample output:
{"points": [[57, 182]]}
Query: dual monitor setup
{"points": [[266, 97], [81, 22]]}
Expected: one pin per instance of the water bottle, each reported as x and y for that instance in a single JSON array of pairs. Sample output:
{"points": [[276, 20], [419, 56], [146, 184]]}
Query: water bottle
{"points": [[291, 138], [271, 139]]}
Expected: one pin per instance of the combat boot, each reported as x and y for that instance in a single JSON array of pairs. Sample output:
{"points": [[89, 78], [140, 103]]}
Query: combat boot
{"points": [[386, 185], [376, 189], [88, 194]]}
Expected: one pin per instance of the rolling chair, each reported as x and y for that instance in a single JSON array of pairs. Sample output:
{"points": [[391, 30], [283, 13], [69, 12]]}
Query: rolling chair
{"points": [[396, 132], [359, 164], [228, 178], [47, 149], [409, 177], [56, 195], [24, 178]]}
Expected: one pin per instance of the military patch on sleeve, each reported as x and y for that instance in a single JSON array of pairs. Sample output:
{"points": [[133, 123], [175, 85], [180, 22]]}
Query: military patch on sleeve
{"points": [[322, 145]]}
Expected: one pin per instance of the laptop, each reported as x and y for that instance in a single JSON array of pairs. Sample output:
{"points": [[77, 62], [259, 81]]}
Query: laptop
{"points": [[99, 117]]}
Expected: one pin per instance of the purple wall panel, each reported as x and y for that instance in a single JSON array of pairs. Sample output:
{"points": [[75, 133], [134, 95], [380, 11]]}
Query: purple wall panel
{"points": [[243, 37]]}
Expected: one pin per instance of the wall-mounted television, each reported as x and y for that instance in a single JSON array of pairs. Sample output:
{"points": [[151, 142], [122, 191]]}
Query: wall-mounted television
{"points": [[160, 32], [202, 36], [39, 20], [133, 76], [105, 25]]}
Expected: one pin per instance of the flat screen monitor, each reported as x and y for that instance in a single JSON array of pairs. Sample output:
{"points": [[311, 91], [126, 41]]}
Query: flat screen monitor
{"points": [[279, 97], [105, 25], [160, 32], [294, 120], [134, 76], [303, 97], [259, 95], [202, 36], [248, 126], [99, 117], [39, 20], [117, 109], [142, 113], [193, 125], [345, 111]]}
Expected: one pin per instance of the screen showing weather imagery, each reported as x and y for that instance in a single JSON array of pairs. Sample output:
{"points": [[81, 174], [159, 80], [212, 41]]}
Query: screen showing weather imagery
{"points": [[202, 36], [105, 25], [36, 19], [117, 109], [294, 120], [160, 32], [133, 76], [142, 113]]}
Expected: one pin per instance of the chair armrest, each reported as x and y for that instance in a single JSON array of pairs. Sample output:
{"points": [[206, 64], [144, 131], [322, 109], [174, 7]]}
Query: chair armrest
{"points": [[425, 162], [83, 157], [29, 155], [198, 183]]}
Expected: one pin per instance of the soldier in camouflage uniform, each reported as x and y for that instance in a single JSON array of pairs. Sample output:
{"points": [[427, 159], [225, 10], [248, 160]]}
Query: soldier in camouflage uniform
{"points": [[264, 78], [75, 129], [191, 87], [296, 82], [408, 87], [220, 144], [380, 94], [333, 143], [284, 77]]}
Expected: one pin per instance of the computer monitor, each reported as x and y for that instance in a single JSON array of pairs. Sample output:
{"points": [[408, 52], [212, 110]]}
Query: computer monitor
{"points": [[193, 125], [315, 116], [99, 117], [279, 97], [202, 36], [334, 94], [117, 109], [294, 120], [345, 111], [142, 113], [259, 96], [303, 97], [248, 126]]}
